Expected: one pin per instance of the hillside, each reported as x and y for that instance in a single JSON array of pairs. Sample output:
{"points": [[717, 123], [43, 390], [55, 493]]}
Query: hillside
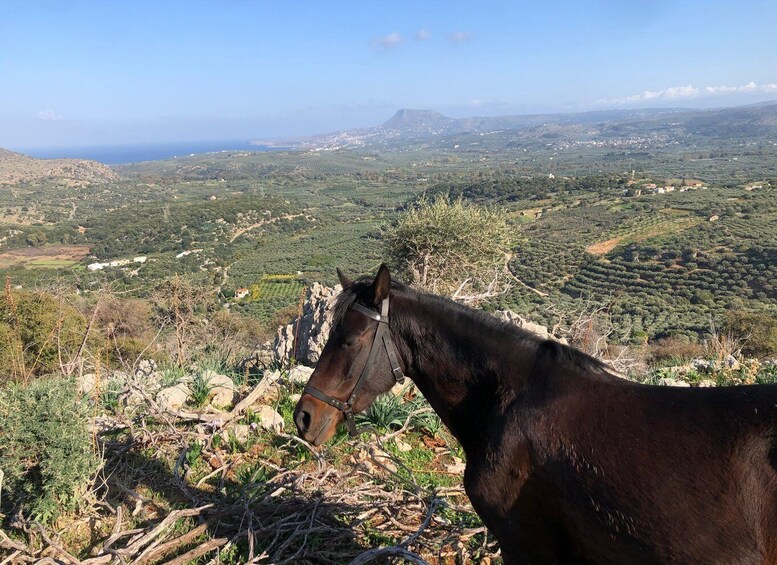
{"points": [[655, 127], [16, 168]]}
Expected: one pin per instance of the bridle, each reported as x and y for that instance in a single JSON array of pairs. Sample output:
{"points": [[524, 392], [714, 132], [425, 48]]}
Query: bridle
{"points": [[382, 336]]}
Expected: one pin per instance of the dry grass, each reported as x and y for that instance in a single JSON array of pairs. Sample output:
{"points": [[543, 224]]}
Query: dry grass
{"points": [[170, 493], [49, 256]]}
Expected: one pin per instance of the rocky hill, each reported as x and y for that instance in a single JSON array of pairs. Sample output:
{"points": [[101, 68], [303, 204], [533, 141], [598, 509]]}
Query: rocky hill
{"points": [[16, 168], [754, 123]]}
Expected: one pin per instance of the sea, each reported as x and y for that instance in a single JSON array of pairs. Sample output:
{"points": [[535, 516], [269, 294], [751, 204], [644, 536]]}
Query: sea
{"points": [[136, 153]]}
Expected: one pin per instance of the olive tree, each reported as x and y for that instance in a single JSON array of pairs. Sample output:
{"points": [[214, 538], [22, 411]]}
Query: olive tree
{"points": [[452, 247]]}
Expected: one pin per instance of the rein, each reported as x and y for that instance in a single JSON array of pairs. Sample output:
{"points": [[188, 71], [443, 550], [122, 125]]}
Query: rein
{"points": [[382, 337]]}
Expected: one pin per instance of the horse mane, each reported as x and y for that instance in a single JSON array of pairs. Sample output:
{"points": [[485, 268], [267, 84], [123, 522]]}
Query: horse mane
{"points": [[357, 291]]}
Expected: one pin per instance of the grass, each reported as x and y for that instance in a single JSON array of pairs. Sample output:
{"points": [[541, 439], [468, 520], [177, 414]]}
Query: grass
{"points": [[200, 388]]}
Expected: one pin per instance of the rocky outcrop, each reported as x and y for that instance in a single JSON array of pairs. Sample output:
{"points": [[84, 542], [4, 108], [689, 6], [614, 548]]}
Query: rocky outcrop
{"points": [[17, 168], [304, 338]]}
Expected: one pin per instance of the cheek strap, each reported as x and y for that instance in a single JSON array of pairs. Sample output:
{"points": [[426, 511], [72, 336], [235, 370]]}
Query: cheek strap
{"points": [[382, 338]]}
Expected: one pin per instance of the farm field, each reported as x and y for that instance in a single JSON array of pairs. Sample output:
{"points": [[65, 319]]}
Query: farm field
{"points": [[661, 264], [47, 257]]}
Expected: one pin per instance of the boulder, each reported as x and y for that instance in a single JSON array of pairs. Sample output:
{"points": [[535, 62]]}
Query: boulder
{"points": [[402, 446], [173, 397], [222, 392]]}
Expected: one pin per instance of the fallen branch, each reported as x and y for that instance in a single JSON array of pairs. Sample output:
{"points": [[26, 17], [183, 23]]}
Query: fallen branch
{"points": [[384, 552]]}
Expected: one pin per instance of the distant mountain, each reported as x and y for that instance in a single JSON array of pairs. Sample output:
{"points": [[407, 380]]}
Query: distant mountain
{"points": [[409, 128], [17, 168], [417, 119]]}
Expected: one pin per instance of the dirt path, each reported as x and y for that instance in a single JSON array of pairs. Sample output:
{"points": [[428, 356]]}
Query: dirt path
{"points": [[241, 231]]}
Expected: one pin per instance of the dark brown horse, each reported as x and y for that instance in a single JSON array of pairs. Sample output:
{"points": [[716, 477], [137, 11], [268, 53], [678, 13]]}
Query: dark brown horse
{"points": [[566, 463]]}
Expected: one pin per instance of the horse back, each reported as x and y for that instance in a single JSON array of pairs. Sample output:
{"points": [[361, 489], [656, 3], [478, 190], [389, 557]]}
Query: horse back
{"points": [[630, 473]]}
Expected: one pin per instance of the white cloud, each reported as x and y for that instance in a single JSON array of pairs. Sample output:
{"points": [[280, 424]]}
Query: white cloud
{"points": [[460, 37], [689, 91], [387, 42], [49, 116], [422, 35]]}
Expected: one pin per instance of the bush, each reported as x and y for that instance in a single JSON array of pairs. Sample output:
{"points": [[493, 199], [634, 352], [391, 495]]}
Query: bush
{"points": [[45, 448], [442, 244], [37, 331], [674, 350], [757, 331]]}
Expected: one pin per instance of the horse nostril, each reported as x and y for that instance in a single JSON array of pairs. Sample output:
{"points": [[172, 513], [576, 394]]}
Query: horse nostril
{"points": [[303, 420]]}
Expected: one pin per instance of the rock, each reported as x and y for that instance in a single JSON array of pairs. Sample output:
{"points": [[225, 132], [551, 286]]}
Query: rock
{"points": [[295, 397], [173, 397], [269, 419], [402, 447], [399, 389], [240, 431], [457, 466], [311, 328], [732, 363], [146, 368], [703, 365], [383, 458], [86, 383], [706, 383], [222, 392], [537, 329], [300, 375], [668, 381]]}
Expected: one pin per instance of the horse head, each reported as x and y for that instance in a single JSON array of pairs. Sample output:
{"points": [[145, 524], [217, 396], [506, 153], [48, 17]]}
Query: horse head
{"points": [[358, 363]]}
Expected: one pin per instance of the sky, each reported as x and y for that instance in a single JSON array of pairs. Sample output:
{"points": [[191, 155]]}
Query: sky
{"points": [[75, 73]]}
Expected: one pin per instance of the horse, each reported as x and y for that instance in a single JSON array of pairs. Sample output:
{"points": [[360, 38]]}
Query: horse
{"points": [[565, 461]]}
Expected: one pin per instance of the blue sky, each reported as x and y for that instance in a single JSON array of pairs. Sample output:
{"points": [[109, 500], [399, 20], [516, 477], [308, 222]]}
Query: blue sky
{"points": [[96, 72]]}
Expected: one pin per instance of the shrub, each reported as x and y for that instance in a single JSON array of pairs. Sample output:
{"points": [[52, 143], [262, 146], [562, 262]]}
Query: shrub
{"points": [[45, 448], [443, 245], [37, 331], [674, 350], [757, 332]]}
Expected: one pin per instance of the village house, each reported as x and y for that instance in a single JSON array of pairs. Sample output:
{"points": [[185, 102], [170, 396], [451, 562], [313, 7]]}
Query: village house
{"points": [[241, 293]]}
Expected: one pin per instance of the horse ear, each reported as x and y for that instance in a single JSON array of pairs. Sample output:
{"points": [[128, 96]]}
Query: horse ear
{"points": [[345, 282], [382, 284]]}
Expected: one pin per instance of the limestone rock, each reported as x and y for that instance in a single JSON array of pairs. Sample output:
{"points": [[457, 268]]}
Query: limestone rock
{"points": [[86, 383], [241, 432], [457, 466], [173, 397], [300, 375], [222, 392], [269, 419], [146, 368], [668, 381], [703, 365], [706, 383], [311, 328]]}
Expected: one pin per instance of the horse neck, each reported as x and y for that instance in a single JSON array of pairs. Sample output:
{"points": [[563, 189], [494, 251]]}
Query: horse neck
{"points": [[463, 365]]}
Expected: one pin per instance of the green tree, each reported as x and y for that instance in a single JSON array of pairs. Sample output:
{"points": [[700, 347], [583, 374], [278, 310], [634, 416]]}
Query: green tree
{"points": [[452, 247]]}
